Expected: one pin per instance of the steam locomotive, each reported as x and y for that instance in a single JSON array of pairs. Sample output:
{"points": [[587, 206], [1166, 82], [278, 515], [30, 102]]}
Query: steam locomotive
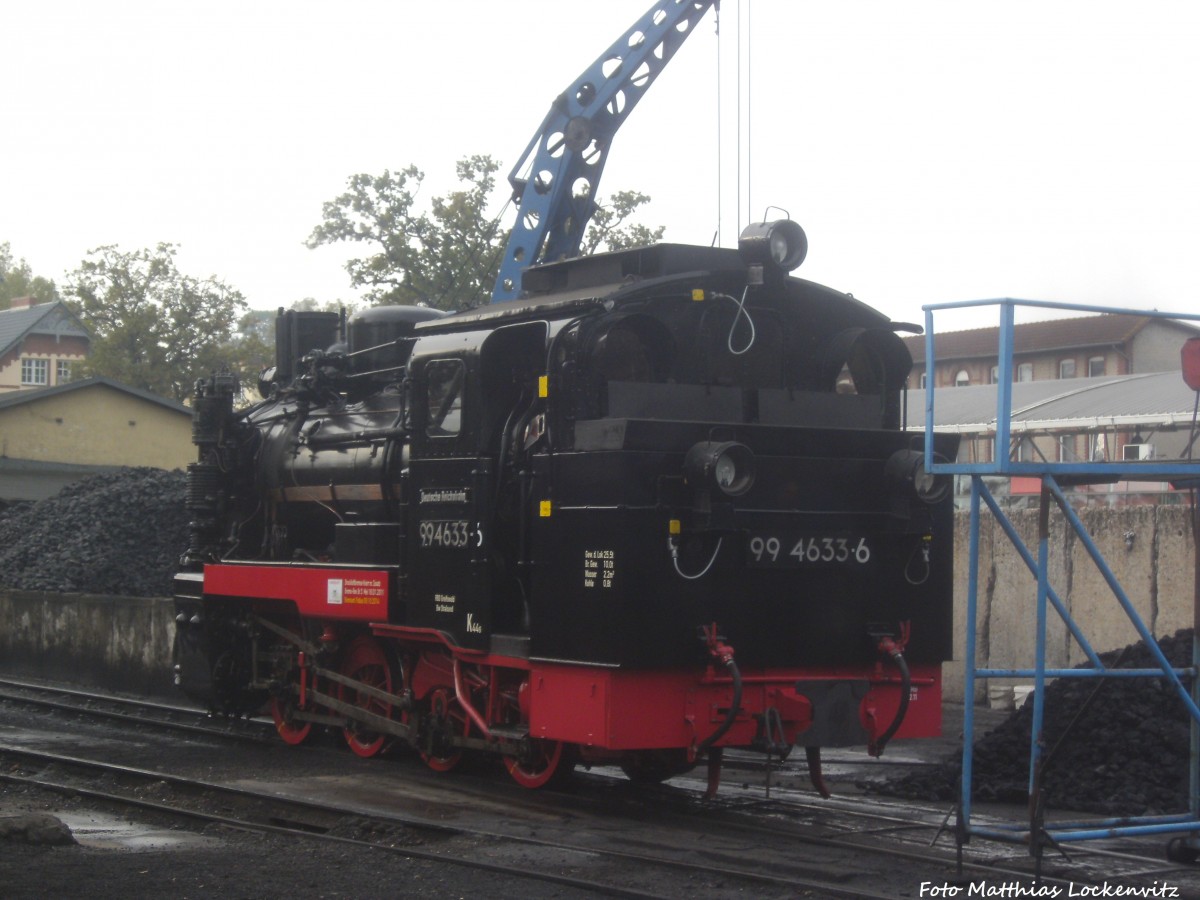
{"points": [[661, 505]]}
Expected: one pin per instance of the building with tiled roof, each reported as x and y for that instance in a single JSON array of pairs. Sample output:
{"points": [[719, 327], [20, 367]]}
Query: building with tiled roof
{"points": [[1084, 347], [39, 344]]}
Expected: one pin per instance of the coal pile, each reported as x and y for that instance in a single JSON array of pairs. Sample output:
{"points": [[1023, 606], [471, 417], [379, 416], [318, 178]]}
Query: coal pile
{"points": [[117, 533], [1123, 751]]}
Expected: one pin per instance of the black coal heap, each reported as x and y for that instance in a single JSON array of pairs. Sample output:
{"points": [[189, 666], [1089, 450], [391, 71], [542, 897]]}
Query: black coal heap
{"points": [[116, 533]]}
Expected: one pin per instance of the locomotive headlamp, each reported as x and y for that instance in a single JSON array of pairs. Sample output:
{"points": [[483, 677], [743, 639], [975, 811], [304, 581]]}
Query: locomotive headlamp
{"points": [[781, 245], [907, 467], [727, 466]]}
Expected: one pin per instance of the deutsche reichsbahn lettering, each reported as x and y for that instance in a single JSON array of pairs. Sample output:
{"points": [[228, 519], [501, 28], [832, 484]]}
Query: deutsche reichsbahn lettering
{"points": [[444, 495]]}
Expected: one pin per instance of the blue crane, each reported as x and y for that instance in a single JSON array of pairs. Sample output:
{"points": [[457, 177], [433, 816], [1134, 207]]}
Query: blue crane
{"points": [[566, 156]]}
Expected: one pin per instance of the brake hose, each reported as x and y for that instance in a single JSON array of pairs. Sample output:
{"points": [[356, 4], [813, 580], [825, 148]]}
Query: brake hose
{"points": [[734, 706], [895, 651], [723, 654]]}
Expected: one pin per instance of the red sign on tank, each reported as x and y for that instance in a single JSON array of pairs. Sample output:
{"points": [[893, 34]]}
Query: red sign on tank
{"points": [[360, 594]]}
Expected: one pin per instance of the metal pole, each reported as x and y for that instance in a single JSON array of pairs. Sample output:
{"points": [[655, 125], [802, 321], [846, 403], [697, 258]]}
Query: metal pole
{"points": [[1194, 731], [969, 662]]}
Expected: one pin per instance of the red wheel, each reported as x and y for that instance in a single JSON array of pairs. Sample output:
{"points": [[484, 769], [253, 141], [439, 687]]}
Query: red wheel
{"points": [[543, 764], [366, 661], [292, 731], [539, 762], [445, 713]]}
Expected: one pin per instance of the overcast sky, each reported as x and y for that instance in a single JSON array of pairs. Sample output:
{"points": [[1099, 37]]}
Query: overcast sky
{"points": [[933, 151]]}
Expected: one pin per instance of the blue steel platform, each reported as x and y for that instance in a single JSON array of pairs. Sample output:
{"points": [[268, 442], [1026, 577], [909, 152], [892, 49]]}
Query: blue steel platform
{"points": [[1038, 833]]}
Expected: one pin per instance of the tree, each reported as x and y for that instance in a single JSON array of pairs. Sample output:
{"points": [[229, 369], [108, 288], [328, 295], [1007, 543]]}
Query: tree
{"points": [[152, 326], [609, 229], [442, 258], [447, 256], [18, 280]]}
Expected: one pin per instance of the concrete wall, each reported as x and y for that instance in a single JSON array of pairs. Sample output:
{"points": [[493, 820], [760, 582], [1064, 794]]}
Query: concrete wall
{"points": [[116, 643], [1148, 548], [124, 643], [1156, 347]]}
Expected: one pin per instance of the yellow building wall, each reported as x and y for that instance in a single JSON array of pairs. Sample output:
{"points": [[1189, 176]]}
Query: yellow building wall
{"points": [[97, 425]]}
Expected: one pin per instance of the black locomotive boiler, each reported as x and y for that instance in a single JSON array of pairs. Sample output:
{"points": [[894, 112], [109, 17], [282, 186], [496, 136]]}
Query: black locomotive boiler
{"points": [[662, 505]]}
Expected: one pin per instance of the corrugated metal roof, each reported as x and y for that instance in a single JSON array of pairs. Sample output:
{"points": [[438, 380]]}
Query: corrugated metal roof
{"points": [[1153, 400], [1035, 337]]}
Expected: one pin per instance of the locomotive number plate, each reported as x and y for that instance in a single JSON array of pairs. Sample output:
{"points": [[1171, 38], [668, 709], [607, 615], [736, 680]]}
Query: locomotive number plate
{"points": [[449, 534], [792, 550]]}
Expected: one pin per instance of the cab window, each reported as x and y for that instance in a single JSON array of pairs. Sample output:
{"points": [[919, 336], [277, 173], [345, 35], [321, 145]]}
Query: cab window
{"points": [[446, 378]]}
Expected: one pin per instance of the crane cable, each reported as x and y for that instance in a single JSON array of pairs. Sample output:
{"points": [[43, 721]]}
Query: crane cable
{"points": [[743, 127], [717, 236]]}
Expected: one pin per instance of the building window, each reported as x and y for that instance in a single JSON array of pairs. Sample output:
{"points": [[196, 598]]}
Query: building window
{"points": [[1025, 372], [962, 379], [922, 381], [993, 374], [1026, 450], [1095, 366], [1097, 447], [1066, 368], [62, 372], [35, 371]]}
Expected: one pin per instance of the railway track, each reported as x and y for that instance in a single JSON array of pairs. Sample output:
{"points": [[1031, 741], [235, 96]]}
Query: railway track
{"points": [[135, 711], [264, 811], [800, 843]]}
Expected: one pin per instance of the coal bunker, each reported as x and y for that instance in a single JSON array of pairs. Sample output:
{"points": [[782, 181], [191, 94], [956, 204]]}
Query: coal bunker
{"points": [[1117, 746], [119, 533]]}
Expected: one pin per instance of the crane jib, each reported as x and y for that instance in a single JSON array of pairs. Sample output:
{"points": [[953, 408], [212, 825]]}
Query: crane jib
{"points": [[555, 180]]}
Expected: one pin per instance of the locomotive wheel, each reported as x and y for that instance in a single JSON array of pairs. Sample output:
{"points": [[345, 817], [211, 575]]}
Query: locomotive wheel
{"points": [[285, 698], [656, 766], [366, 661], [545, 762], [292, 731], [445, 711]]}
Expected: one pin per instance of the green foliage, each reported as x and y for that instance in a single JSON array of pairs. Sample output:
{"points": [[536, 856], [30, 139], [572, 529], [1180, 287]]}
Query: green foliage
{"points": [[611, 230], [18, 280], [446, 256], [152, 326]]}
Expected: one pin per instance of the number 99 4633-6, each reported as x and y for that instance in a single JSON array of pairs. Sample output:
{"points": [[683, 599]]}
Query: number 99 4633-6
{"points": [[804, 550]]}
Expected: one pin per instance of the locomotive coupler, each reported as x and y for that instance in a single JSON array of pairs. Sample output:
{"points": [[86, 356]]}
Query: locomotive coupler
{"points": [[770, 738]]}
